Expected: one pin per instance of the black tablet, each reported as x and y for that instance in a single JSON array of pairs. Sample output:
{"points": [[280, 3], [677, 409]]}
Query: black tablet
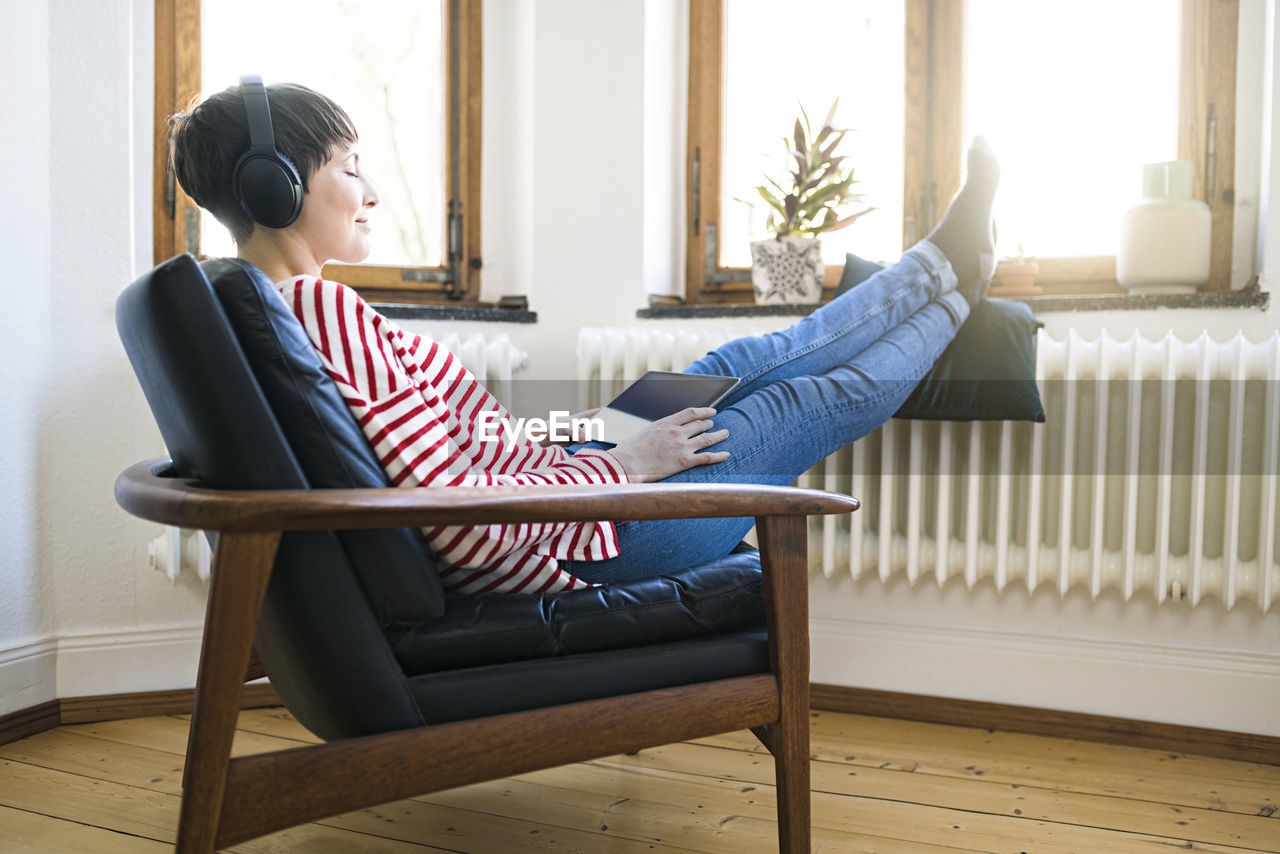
{"points": [[658, 394]]}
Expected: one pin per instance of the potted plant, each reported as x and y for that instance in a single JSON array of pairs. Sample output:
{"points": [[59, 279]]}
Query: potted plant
{"points": [[1016, 276], [807, 201]]}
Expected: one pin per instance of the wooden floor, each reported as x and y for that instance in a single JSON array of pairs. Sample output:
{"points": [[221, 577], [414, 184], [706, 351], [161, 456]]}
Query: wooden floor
{"points": [[878, 786]]}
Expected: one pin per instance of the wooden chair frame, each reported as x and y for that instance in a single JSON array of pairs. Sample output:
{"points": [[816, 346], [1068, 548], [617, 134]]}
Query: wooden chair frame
{"points": [[226, 801]]}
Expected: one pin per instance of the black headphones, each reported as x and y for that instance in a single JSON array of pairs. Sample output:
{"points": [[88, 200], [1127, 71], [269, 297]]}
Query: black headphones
{"points": [[266, 182]]}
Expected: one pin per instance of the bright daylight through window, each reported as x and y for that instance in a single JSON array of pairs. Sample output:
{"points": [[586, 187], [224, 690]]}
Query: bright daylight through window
{"points": [[1073, 110], [770, 71], [1074, 99], [386, 68]]}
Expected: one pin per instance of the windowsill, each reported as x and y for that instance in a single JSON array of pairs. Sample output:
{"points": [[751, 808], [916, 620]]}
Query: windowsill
{"points": [[725, 310], [1250, 297], [487, 313]]}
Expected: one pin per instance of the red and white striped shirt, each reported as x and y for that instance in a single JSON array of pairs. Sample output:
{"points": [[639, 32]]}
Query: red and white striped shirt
{"points": [[420, 410]]}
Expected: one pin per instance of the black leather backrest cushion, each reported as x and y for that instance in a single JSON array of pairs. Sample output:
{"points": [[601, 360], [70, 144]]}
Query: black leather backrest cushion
{"points": [[326, 654], [394, 566], [212, 414]]}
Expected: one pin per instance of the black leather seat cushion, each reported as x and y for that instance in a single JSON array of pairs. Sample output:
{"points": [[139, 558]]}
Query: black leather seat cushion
{"points": [[502, 688], [480, 629]]}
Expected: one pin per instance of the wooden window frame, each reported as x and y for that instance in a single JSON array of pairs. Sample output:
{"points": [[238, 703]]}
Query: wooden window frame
{"points": [[934, 145], [176, 220]]}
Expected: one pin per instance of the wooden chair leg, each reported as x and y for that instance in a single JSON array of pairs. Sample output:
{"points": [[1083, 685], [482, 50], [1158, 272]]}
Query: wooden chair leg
{"points": [[241, 568], [783, 554], [791, 769]]}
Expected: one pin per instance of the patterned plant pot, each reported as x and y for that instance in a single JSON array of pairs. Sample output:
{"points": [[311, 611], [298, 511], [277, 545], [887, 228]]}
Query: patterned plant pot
{"points": [[787, 270]]}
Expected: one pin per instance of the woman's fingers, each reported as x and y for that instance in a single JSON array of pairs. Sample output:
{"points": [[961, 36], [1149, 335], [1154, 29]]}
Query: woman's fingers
{"points": [[693, 413], [699, 457], [709, 439], [709, 458], [693, 428]]}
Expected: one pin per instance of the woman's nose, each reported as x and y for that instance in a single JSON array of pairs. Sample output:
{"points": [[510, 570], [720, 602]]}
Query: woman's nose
{"points": [[370, 194]]}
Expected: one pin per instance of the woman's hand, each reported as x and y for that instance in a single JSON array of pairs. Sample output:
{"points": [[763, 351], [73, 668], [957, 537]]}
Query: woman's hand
{"points": [[671, 445]]}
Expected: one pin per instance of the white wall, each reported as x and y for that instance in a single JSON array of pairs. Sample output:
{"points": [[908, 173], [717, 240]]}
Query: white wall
{"points": [[73, 576], [583, 211], [27, 610]]}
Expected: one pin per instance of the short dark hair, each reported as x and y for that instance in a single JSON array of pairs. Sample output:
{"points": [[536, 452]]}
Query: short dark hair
{"points": [[206, 142]]}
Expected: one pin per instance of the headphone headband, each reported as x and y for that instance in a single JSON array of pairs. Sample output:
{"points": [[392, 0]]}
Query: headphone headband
{"points": [[257, 112]]}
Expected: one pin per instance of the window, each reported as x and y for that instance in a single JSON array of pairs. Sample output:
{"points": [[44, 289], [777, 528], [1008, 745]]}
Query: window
{"points": [[408, 74], [1074, 98]]}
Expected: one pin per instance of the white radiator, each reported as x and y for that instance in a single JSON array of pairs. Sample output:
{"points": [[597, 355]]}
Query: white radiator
{"points": [[493, 359], [1159, 460]]}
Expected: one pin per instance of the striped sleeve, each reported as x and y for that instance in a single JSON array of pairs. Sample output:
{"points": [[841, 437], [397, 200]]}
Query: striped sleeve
{"points": [[431, 423]]}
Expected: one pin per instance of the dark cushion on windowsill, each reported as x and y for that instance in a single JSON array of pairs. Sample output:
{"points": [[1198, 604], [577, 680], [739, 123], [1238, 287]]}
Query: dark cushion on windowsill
{"points": [[987, 373], [724, 595]]}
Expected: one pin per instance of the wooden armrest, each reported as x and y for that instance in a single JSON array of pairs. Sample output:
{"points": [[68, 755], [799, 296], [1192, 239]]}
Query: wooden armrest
{"points": [[145, 491]]}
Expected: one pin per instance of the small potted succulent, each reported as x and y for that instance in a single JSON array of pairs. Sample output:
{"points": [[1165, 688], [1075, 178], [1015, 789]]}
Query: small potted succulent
{"points": [[1016, 276], [809, 200]]}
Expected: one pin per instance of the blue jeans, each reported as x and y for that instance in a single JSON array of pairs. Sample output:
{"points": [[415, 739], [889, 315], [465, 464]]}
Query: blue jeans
{"points": [[806, 391]]}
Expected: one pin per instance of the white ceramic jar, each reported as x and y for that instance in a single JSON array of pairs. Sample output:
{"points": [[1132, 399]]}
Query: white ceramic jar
{"points": [[1164, 239]]}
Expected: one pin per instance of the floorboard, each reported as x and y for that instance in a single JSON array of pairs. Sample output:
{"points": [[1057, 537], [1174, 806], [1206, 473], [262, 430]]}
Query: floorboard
{"points": [[879, 785]]}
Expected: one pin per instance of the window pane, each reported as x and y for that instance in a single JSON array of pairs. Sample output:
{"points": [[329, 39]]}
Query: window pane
{"points": [[780, 56], [1074, 98], [383, 62]]}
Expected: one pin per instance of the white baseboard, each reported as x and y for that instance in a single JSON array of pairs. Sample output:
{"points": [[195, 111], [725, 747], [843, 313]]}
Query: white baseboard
{"points": [[128, 662], [87, 665], [1237, 691], [28, 675]]}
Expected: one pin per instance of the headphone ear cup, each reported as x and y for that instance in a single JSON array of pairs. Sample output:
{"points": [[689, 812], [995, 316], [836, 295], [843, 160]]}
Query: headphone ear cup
{"points": [[268, 188]]}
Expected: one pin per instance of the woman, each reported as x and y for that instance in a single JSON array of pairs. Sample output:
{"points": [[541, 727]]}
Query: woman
{"points": [[806, 391]]}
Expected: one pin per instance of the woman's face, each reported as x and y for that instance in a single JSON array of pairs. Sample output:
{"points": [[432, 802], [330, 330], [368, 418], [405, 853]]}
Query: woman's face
{"points": [[335, 210]]}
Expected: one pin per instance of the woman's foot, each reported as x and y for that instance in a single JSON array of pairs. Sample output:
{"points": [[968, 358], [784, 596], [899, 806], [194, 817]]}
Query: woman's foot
{"points": [[966, 234]]}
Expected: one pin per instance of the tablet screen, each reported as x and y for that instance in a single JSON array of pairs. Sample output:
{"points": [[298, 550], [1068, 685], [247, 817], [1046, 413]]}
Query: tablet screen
{"points": [[658, 394]]}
